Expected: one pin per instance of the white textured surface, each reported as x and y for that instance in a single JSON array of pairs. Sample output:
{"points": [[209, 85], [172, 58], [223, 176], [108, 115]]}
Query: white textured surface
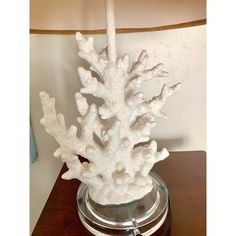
{"points": [[117, 171], [53, 68]]}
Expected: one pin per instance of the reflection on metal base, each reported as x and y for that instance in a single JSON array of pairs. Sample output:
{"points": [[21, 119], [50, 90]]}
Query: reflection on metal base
{"points": [[141, 217]]}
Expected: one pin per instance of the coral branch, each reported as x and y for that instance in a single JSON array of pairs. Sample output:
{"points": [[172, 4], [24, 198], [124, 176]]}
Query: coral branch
{"points": [[97, 62], [138, 73], [156, 71], [113, 138], [82, 106], [139, 69], [142, 127], [140, 64], [92, 85], [154, 105], [70, 145], [123, 64], [158, 102], [119, 165]]}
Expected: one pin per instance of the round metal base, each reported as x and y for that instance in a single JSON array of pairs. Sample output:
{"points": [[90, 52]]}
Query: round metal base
{"points": [[141, 217]]}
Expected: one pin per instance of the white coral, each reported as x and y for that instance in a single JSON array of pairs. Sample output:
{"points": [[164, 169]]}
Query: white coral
{"points": [[118, 168]]}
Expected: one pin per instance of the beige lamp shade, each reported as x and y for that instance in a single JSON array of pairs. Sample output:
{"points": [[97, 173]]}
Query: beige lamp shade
{"points": [[87, 15]]}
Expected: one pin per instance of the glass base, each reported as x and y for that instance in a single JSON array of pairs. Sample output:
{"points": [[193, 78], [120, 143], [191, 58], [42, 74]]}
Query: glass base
{"points": [[143, 216]]}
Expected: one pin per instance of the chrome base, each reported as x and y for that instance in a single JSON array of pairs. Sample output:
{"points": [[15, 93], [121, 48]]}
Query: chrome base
{"points": [[141, 217]]}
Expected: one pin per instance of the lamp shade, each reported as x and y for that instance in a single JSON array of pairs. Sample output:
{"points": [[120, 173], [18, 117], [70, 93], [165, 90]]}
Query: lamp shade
{"points": [[89, 14]]}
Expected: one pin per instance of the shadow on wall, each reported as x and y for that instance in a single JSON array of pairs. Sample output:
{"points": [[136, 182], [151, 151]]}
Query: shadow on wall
{"points": [[172, 144]]}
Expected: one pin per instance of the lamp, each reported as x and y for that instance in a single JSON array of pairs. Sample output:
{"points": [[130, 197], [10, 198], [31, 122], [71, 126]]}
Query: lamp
{"points": [[79, 37], [118, 195]]}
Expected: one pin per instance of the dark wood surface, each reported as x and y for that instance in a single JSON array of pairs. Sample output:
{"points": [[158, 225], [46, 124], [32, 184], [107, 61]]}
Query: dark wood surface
{"points": [[183, 172]]}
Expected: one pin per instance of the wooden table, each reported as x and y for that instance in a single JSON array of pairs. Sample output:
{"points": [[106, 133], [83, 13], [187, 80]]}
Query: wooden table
{"points": [[183, 172]]}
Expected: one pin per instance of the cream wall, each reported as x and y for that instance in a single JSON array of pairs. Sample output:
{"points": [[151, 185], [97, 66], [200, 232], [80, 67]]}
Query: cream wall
{"points": [[54, 65]]}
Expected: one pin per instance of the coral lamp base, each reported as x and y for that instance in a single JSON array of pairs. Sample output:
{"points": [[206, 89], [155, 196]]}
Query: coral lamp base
{"points": [[141, 217]]}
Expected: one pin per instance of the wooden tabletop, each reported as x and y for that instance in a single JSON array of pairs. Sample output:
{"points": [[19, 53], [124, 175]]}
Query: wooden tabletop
{"points": [[185, 176]]}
